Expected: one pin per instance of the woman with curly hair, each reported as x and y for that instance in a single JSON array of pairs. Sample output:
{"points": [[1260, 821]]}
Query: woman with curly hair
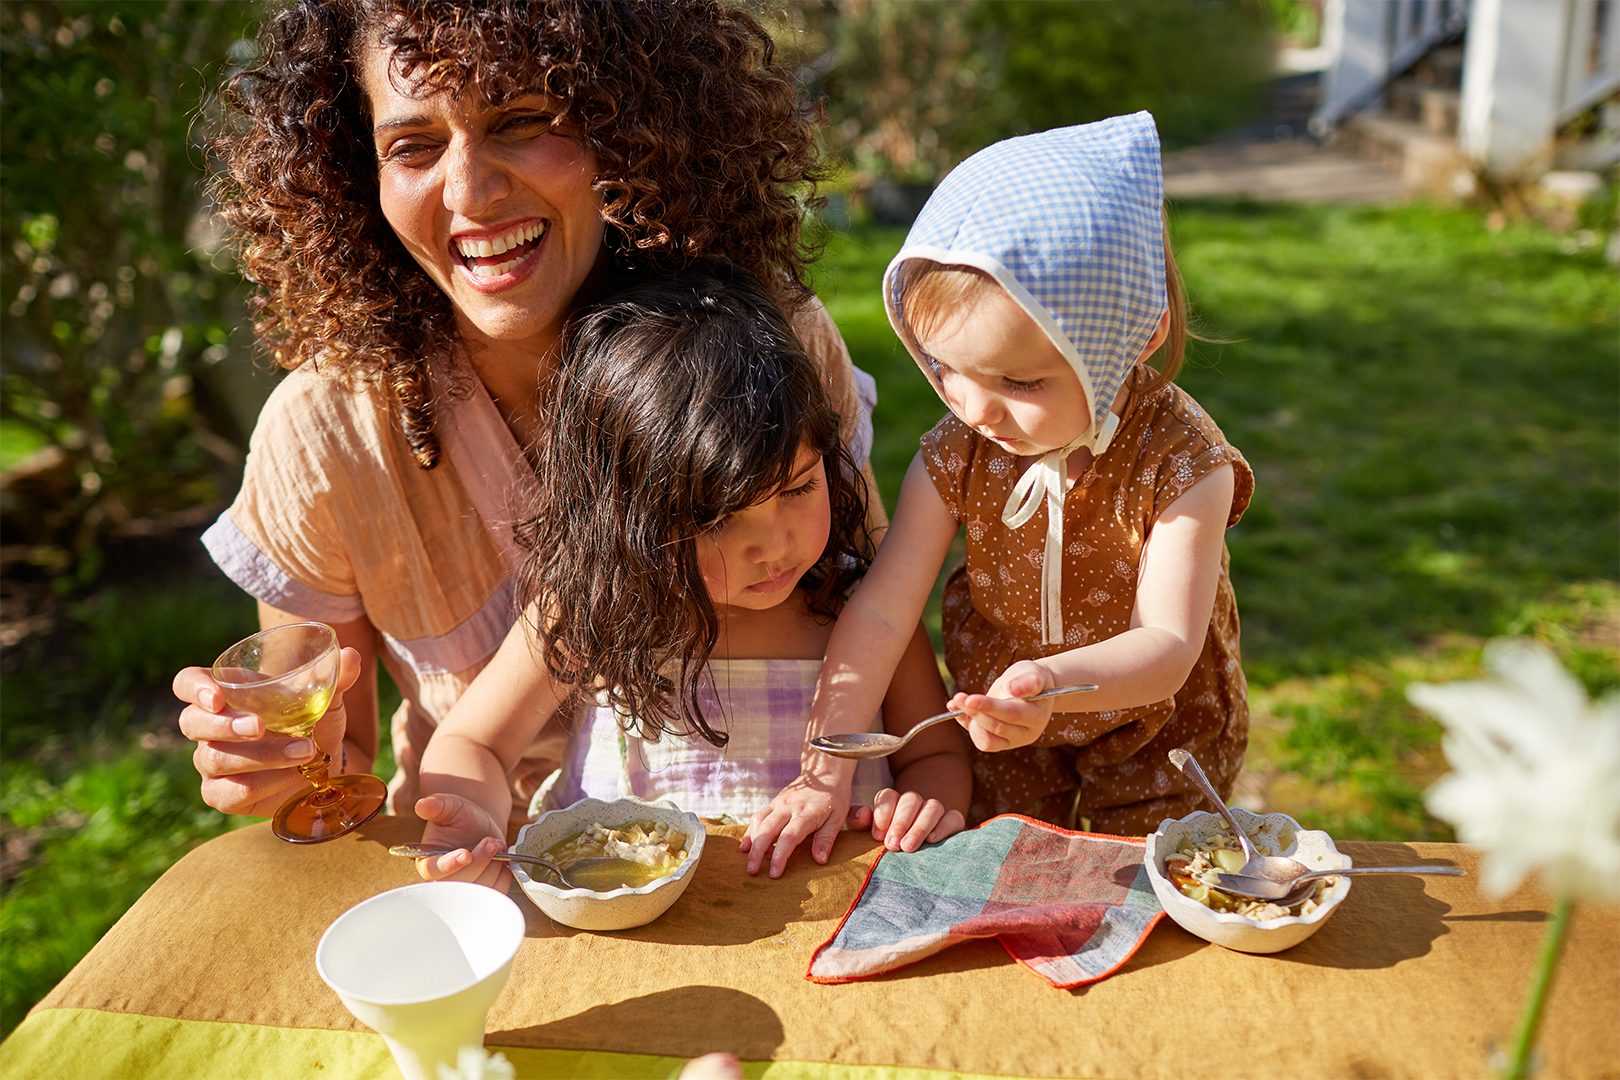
{"points": [[424, 192]]}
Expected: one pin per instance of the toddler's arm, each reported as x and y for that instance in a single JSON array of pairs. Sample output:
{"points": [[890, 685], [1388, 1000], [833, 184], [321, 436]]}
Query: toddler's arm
{"points": [[933, 779], [465, 800], [1150, 661], [866, 646]]}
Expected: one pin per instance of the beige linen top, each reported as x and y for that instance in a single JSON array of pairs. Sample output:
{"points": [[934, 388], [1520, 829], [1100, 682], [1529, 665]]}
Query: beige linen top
{"points": [[335, 520], [1115, 759]]}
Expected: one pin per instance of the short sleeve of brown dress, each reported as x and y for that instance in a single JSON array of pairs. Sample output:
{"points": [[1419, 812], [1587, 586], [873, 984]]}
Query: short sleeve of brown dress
{"points": [[1108, 768]]}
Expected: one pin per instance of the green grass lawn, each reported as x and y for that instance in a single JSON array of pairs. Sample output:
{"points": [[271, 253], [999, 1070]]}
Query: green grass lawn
{"points": [[1430, 409]]}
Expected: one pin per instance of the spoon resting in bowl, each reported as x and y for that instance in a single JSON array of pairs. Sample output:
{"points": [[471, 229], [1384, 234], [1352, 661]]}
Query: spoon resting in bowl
{"points": [[1289, 893], [1253, 860], [861, 745], [597, 875]]}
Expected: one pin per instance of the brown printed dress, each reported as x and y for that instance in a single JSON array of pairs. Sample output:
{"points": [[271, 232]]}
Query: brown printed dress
{"points": [[1106, 767]]}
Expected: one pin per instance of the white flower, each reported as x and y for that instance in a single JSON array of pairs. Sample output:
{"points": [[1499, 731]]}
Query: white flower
{"points": [[1535, 774], [476, 1063]]}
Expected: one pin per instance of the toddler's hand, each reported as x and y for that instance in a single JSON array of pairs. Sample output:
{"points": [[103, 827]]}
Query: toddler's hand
{"points": [[455, 822], [1000, 719], [813, 804], [907, 822]]}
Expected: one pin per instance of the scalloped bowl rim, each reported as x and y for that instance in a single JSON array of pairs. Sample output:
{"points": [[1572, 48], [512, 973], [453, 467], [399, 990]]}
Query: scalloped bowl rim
{"points": [[1330, 902], [694, 847]]}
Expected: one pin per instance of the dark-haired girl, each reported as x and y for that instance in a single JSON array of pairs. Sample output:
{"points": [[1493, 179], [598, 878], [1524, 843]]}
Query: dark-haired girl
{"points": [[703, 526]]}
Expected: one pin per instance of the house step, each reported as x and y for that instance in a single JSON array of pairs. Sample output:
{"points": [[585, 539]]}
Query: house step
{"points": [[1434, 108], [1426, 162]]}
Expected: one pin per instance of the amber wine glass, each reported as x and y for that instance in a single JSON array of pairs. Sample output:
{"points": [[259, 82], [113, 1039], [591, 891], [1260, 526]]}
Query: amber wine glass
{"points": [[285, 676]]}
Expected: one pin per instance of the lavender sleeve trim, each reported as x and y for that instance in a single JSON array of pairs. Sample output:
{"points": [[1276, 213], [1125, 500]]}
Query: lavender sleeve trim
{"points": [[475, 639], [263, 580]]}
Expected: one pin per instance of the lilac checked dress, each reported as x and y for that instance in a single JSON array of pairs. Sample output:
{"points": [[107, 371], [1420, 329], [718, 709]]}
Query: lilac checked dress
{"points": [[762, 704]]}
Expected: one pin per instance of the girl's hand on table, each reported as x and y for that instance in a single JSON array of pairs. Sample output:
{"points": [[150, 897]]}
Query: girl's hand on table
{"points": [[455, 822], [244, 770], [1000, 719], [813, 805], [905, 822]]}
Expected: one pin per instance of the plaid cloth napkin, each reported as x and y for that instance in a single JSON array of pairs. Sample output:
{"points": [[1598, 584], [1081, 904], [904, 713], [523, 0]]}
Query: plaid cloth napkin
{"points": [[1071, 907]]}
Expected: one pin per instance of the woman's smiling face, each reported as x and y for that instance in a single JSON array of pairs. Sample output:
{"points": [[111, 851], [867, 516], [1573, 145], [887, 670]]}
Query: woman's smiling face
{"points": [[494, 205]]}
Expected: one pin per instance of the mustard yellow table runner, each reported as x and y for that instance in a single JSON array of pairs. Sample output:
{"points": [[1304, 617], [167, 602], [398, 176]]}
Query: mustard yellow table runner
{"points": [[212, 974]]}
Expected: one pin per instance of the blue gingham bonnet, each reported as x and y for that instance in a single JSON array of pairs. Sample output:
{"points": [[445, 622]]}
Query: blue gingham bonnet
{"points": [[1070, 223]]}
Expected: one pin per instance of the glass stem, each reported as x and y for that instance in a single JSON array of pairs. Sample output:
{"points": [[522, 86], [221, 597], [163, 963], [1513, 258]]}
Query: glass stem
{"points": [[315, 773], [1524, 1043]]}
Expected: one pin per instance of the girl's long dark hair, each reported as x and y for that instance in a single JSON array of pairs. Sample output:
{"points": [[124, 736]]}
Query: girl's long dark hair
{"points": [[676, 403]]}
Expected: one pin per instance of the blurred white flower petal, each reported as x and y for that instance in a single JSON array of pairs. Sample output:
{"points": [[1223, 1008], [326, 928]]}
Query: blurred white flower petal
{"points": [[1535, 774]]}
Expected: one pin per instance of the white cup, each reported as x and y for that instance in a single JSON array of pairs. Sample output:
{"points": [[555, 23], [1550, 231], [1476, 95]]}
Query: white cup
{"points": [[422, 965]]}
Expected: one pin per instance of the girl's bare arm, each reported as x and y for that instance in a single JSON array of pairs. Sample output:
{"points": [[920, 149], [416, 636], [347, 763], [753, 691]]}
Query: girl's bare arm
{"points": [[465, 799], [1150, 661], [933, 778], [865, 649]]}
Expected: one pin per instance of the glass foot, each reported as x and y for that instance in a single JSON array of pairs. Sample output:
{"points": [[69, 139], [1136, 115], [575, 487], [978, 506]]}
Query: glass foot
{"points": [[313, 817]]}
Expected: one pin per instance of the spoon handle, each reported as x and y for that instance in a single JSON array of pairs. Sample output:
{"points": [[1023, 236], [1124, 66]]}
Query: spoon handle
{"points": [[417, 851], [940, 718], [1448, 871], [1189, 765]]}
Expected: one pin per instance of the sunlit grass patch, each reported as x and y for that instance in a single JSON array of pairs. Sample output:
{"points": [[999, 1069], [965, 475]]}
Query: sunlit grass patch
{"points": [[1346, 751]]}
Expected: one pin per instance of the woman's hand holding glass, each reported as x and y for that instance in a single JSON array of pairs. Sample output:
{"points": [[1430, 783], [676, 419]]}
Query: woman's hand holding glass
{"points": [[245, 768]]}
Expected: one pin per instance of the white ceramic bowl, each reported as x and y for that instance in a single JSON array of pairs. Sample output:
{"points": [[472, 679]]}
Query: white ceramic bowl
{"points": [[1273, 834], [620, 909]]}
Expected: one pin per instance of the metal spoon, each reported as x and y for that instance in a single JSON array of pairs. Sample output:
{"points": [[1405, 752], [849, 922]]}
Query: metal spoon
{"points": [[1255, 861], [875, 744], [597, 875], [1289, 893]]}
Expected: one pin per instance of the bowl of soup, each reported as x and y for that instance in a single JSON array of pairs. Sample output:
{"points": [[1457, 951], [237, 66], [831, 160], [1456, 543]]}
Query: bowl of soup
{"points": [[662, 841], [1184, 854]]}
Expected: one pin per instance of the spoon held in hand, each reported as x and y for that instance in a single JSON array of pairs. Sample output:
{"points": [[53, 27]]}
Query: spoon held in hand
{"points": [[861, 745], [597, 875]]}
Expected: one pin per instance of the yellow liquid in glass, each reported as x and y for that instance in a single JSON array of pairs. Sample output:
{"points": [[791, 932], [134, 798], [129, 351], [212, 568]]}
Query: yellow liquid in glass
{"points": [[286, 711]]}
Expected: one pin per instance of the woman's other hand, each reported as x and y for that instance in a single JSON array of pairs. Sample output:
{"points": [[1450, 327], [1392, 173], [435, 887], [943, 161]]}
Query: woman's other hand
{"points": [[245, 770], [474, 837]]}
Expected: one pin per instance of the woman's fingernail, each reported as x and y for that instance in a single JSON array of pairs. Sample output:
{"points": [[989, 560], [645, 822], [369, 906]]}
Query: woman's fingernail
{"points": [[245, 725], [300, 749]]}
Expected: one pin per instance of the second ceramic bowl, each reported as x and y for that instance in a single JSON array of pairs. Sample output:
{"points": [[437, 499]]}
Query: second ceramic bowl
{"points": [[1273, 834]]}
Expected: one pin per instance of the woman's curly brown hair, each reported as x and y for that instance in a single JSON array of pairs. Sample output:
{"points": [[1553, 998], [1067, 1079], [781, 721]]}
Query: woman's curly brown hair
{"points": [[676, 403], [702, 144]]}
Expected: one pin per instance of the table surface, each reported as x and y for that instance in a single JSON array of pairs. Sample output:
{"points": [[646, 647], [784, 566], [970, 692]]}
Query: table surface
{"points": [[212, 973]]}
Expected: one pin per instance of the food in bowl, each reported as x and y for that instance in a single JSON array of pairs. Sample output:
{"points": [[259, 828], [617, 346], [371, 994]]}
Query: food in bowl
{"points": [[657, 845], [1195, 862]]}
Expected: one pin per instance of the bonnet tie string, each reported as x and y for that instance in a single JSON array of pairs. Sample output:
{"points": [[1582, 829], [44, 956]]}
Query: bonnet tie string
{"points": [[1044, 481]]}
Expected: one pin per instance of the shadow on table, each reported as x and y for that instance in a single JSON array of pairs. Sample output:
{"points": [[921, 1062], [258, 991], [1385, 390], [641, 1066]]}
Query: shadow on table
{"points": [[684, 1022], [1383, 921]]}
